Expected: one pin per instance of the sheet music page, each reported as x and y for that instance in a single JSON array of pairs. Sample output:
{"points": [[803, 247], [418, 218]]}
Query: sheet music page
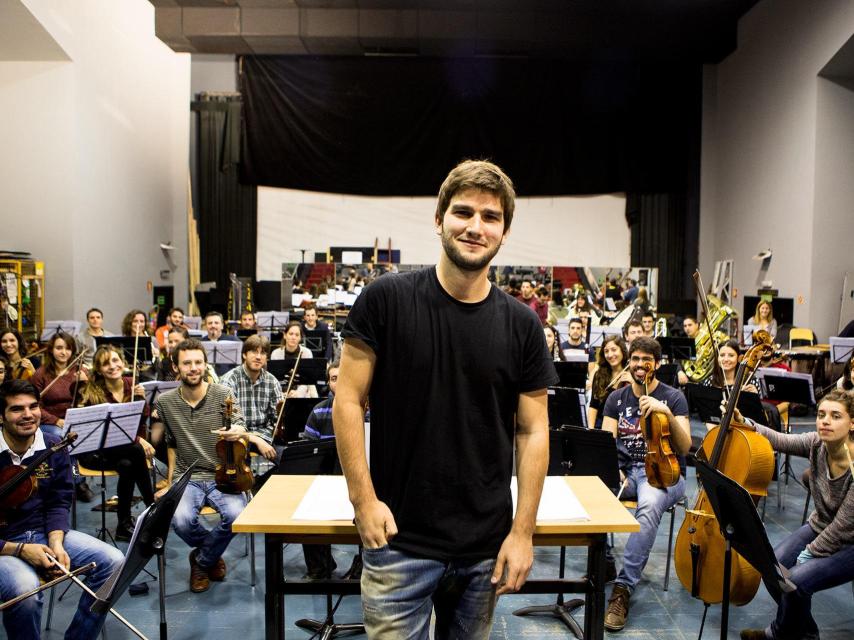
{"points": [[88, 423], [326, 499], [558, 502], [158, 386]]}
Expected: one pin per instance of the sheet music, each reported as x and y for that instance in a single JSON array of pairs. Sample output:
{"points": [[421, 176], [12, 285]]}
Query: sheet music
{"points": [[223, 351], [841, 349], [327, 499], [153, 387], [89, 422]]}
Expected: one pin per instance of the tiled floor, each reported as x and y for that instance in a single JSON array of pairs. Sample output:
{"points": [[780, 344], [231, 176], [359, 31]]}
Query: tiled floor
{"points": [[235, 609]]}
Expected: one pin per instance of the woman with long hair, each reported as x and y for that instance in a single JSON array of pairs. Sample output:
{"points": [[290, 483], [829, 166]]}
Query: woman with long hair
{"points": [[610, 373], [59, 398], [819, 555], [723, 377], [108, 384], [135, 323], [763, 318], [15, 350], [290, 347], [553, 343]]}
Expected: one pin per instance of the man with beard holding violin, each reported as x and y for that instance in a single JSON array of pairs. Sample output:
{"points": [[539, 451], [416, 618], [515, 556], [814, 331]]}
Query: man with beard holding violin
{"points": [[623, 413], [35, 531]]}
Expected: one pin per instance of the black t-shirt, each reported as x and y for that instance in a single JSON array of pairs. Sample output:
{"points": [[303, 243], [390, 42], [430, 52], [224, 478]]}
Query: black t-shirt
{"points": [[444, 394], [624, 407]]}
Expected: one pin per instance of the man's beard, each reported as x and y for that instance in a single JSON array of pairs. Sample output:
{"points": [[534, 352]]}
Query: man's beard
{"points": [[460, 261]]}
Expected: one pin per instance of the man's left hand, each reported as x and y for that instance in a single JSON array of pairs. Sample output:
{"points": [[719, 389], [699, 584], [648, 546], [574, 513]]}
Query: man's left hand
{"points": [[648, 405], [60, 554], [514, 562]]}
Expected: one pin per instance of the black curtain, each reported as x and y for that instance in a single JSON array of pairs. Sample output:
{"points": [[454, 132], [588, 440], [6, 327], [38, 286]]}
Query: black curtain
{"points": [[226, 209], [395, 126]]}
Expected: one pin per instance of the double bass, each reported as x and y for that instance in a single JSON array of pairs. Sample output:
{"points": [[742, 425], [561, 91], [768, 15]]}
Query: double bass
{"points": [[233, 474], [746, 457]]}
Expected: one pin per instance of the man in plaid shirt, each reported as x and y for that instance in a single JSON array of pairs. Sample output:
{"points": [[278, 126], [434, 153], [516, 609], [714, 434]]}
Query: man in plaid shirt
{"points": [[257, 392]]}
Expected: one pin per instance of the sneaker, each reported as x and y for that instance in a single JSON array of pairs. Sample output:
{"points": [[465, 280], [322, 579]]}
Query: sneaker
{"points": [[84, 493], [124, 530], [199, 580], [618, 608], [218, 571]]}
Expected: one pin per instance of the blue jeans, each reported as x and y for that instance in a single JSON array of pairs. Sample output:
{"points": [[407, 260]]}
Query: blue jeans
{"points": [[399, 592], [794, 618], [210, 544], [652, 503], [23, 621]]}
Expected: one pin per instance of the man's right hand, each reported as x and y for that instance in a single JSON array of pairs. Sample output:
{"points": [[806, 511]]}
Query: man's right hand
{"points": [[266, 450], [375, 524], [37, 555]]}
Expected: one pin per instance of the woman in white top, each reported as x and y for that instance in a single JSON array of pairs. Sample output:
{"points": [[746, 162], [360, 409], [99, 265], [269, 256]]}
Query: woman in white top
{"points": [[763, 318], [291, 346]]}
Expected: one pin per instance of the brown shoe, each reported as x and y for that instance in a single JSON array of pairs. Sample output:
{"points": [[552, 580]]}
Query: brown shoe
{"points": [[618, 608], [218, 571], [199, 580], [753, 634]]}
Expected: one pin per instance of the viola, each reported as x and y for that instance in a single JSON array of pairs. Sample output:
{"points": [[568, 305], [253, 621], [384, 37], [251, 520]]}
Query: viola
{"points": [[17, 483], [661, 463], [233, 474]]}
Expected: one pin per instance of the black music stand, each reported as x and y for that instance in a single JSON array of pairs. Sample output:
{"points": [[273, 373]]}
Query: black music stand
{"points": [[577, 452], [675, 348], [566, 407], [786, 386], [126, 345], [309, 370], [272, 320], [743, 531], [149, 539], [318, 341], [571, 374], [317, 457], [707, 401]]}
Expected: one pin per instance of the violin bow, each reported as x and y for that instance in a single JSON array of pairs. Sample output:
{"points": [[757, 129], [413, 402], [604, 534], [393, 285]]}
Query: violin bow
{"points": [[288, 390], [64, 371], [135, 353]]}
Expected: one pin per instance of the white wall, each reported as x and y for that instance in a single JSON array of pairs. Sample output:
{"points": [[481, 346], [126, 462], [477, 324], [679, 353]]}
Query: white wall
{"points": [[760, 171], [93, 174], [589, 231]]}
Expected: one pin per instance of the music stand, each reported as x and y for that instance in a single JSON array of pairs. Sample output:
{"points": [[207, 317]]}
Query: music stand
{"points": [[598, 335], [154, 388], [223, 354], [317, 340], [192, 322], [566, 407], [245, 333], [52, 327], [571, 374], [317, 457], [577, 354], [309, 370], [678, 348], [707, 401], [577, 452], [100, 427], [841, 350], [149, 539], [272, 320], [743, 531], [126, 345]]}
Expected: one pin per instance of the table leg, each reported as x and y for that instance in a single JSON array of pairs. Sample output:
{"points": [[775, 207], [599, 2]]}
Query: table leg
{"points": [[594, 603], [274, 598]]}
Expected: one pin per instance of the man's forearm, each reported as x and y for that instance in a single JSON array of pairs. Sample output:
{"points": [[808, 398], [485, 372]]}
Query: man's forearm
{"points": [[532, 453], [170, 465], [348, 422]]}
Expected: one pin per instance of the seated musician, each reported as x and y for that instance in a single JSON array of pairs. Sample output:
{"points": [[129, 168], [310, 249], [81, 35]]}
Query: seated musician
{"points": [[247, 321], [763, 318], [173, 320], [610, 373], [135, 325], [94, 329], [38, 529], [15, 350], [723, 377], [189, 416], [648, 323], [819, 555], [692, 329], [632, 330], [846, 381], [291, 347], [129, 460], [552, 340], [623, 411], [311, 323], [59, 398], [258, 394], [215, 327]]}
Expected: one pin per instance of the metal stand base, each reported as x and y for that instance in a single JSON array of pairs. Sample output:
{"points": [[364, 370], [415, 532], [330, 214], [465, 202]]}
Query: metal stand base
{"points": [[560, 610], [329, 628]]}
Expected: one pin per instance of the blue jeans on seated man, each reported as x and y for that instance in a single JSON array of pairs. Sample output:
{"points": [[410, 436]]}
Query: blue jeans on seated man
{"points": [[652, 503], [186, 523], [23, 621], [794, 616], [399, 592]]}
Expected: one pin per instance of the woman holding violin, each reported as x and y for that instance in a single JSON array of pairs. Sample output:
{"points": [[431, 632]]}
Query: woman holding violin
{"points": [[15, 351], [628, 413], [34, 520], [291, 347], [611, 373], [58, 378], [107, 384], [819, 555]]}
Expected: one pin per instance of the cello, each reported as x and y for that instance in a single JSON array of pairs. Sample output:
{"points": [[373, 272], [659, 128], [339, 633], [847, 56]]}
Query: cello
{"points": [[233, 474], [746, 457], [660, 461]]}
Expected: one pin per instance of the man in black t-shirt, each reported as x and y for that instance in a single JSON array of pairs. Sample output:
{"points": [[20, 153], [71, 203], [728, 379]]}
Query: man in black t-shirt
{"points": [[457, 373], [623, 412]]}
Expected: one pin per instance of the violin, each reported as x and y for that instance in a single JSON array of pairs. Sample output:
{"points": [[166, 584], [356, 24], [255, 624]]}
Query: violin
{"points": [[279, 430], [18, 483], [661, 463], [233, 474]]}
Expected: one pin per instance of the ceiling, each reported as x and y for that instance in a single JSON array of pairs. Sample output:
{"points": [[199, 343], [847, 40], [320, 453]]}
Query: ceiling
{"points": [[22, 37], [700, 30]]}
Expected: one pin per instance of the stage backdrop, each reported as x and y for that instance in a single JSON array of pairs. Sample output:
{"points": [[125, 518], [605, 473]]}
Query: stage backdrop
{"points": [[561, 230]]}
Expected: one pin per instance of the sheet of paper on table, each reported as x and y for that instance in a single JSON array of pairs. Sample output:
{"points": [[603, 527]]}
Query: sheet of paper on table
{"points": [[327, 499]]}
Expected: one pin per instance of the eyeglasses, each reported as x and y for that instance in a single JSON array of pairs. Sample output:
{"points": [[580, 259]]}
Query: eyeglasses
{"points": [[644, 360]]}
